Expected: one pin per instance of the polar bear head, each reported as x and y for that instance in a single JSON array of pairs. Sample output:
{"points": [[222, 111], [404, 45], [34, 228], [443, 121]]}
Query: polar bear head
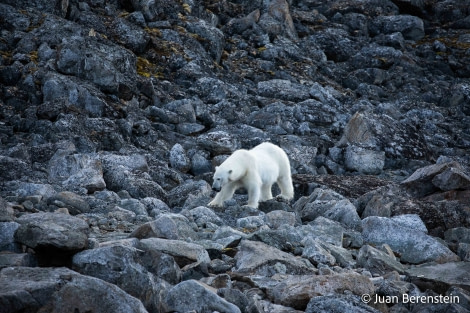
{"points": [[222, 176]]}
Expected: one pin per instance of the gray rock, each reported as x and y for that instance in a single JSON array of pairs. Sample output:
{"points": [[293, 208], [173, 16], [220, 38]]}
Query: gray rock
{"points": [[283, 89], [134, 205], [329, 204], [326, 230], [452, 178], [178, 159], [342, 256], [176, 248], [74, 203], [250, 222], [218, 142], [6, 211], [188, 192], [55, 290], [338, 303], [193, 295], [378, 262], [364, 160], [420, 183], [205, 217], [17, 259], [315, 253], [411, 27], [275, 219], [412, 221], [439, 277], [168, 226], [119, 265], [296, 290], [458, 234], [277, 20], [110, 67], [414, 246], [132, 37], [53, 231], [7, 236], [258, 257], [15, 168], [213, 38]]}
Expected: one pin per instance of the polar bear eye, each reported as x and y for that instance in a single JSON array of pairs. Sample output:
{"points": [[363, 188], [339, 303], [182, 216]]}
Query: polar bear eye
{"points": [[230, 172]]}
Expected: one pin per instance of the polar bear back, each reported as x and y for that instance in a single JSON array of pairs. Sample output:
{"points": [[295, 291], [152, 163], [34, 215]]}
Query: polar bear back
{"points": [[271, 162]]}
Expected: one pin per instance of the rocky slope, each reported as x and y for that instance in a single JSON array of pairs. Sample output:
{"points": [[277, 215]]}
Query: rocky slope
{"points": [[114, 113]]}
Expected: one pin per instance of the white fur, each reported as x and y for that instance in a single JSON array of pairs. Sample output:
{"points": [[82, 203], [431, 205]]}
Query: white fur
{"points": [[256, 170]]}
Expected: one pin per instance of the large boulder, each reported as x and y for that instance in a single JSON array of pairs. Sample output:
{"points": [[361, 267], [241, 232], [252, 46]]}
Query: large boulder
{"points": [[25, 289], [414, 246]]}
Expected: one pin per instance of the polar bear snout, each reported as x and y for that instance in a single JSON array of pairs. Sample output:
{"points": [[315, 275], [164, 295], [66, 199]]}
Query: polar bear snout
{"points": [[216, 188]]}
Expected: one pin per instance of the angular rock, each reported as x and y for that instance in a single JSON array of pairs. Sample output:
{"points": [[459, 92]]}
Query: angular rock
{"points": [[193, 295], [315, 253], [411, 27], [74, 203], [275, 219], [283, 89], [167, 226], [277, 20], [420, 183], [177, 249], [25, 289], [452, 178], [205, 217], [110, 67], [297, 290], [329, 204], [17, 259], [53, 231], [340, 303], [258, 257], [179, 159], [120, 265], [213, 38], [189, 191], [364, 160], [7, 235], [414, 246], [6, 212], [440, 277], [378, 262], [218, 142]]}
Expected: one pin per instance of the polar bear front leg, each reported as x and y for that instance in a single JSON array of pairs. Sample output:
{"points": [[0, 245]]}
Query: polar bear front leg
{"points": [[224, 194], [254, 193], [266, 193]]}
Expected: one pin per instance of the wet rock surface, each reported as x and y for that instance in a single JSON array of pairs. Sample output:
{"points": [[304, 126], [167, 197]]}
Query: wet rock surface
{"points": [[113, 115]]}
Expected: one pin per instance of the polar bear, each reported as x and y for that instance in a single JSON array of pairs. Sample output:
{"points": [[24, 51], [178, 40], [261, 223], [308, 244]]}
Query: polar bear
{"points": [[256, 170]]}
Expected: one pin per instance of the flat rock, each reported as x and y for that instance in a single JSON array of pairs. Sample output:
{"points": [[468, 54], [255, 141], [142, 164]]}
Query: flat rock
{"points": [[297, 290], [439, 277], [176, 248]]}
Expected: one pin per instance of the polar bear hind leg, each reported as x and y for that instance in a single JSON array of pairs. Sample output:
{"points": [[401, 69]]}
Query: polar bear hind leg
{"points": [[287, 189]]}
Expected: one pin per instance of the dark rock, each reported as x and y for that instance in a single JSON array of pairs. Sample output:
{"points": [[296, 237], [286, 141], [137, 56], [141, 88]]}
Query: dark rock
{"points": [[119, 265], [168, 226], [192, 294], [378, 262], [411, 27], [350, 303], [7, 235], [71, 201], [53, 236], [56, 289]]}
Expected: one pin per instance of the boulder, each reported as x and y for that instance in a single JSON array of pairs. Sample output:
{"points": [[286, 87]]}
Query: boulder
{"points": [[338, 303], [168, 226], [74, 203], [414, 246], [297, 290], [440, 277], [193, 295], [183, 251], [258, 257], [54, 231], [26, 289], [7, 236], [120, 265], [365, 161], [411, 27], [377, 261]]}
